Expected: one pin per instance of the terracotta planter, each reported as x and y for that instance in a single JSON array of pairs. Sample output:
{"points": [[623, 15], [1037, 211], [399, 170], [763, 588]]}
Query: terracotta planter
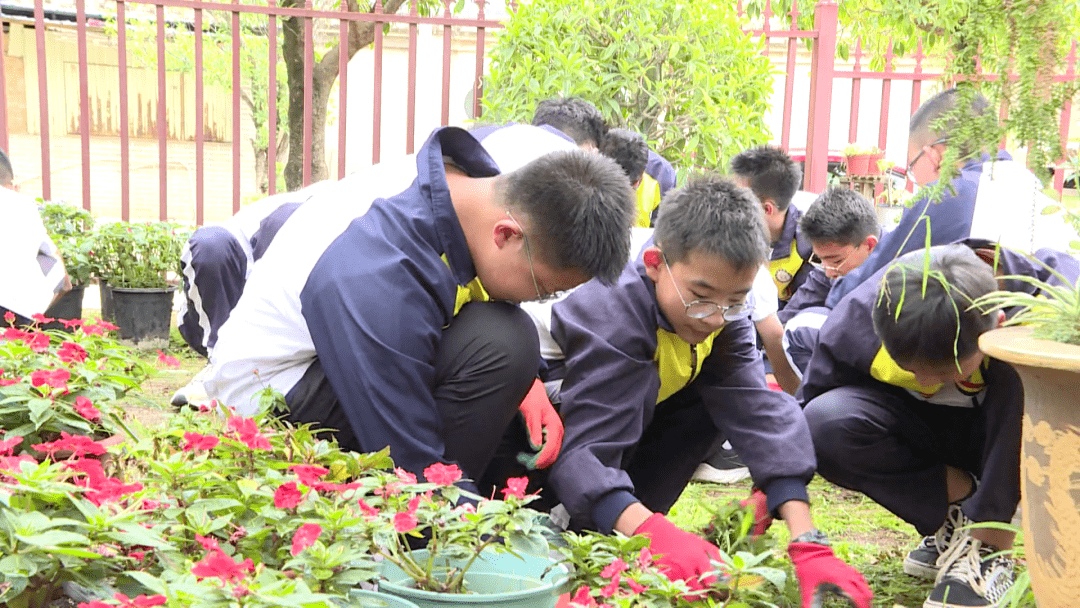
{"points": [[862, 165], [1050, 462]]}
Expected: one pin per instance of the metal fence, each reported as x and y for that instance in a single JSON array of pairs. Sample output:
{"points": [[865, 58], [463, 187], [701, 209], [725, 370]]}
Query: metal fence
{"points": [[825, 129]]}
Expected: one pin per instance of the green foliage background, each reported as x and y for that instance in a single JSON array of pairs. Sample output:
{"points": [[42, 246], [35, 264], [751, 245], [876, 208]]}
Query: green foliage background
{"points": [[683, 74]]}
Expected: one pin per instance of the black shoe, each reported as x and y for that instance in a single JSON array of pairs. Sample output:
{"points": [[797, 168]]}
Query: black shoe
{"points": [[723, 466], [922, 561], [973, 575]]}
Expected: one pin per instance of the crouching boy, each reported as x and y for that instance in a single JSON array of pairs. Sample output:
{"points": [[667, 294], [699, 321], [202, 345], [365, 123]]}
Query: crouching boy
{"points": [[651, 369], [904, 408]]}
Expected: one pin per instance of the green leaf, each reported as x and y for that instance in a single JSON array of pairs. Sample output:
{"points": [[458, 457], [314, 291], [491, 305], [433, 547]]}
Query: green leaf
{"points": [[53, 538]]}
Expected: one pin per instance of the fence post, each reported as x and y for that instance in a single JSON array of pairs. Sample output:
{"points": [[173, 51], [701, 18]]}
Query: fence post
{"points": [[821, 81]]}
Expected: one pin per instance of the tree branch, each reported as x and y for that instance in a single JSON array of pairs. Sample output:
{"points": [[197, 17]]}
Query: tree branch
{"points": [[361, 34]]}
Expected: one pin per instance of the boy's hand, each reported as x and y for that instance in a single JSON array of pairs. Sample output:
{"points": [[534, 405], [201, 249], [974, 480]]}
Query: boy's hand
{"points": [[819, 572], [682, 555], [544, 426]]}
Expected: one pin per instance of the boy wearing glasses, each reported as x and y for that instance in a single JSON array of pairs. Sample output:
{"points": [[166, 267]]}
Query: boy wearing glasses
{"points": [[651, 369], [991, 197], [843, 229]]}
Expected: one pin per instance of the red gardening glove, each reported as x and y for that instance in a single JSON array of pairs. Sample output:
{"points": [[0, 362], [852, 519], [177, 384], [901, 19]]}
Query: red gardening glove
{"points": [[762, 518], [544, 425], [820, 572], [682, 555]]}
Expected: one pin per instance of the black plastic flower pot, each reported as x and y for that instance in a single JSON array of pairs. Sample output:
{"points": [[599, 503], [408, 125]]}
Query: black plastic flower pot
{"points": [[68, 307], [142, 314], [106, 299]]}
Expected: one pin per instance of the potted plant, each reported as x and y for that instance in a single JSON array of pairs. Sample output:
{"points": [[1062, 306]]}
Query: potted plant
{"points": [[71, 230], [478, 552], [134, 261], [1042, 342], [862, 161]]}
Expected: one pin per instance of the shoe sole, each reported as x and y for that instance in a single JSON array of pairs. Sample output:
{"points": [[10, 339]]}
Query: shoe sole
{"points": [[920, 570], [936, 604], [712, 474]]}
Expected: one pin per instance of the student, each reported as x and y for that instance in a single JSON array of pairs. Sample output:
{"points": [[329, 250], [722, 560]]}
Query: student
{"points": [[581, 121], [843, 229], [629, 149], [774, 179], [992, 197], [377, 323], [651, 369], [34, 276], [904, 408]]}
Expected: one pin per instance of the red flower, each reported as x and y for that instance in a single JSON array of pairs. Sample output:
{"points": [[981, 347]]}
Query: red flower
{"points": [[9, 317], [196, 441], [309, 474], [93, 330], [110, 490], [9, 381], [167, 360], [106, 325], [14, 463], [515, 486], [287, 496], [15, 334], [79, 445], [7, 446], [217, 564], [248, 432], [404, 475], [95, 474], [305, 537], [69, 323], [403, 522], [645, 558], [614, 568], [635, 586], [40, 318], [442, 474], [38, 342], [71, 352], [86, 409], [56, 378], [414, 504]]}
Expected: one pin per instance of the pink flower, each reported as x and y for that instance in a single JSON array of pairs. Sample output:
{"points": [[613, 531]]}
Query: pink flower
{"points": [[287, 496], [86, 409], [106, 325], [56, 378], [70, 323], [40, 318], [167, 360], [442, 474], [14, 463], [645, 558], [141, 601], [111, 490], [305, 537], [38, 342], [414, 504], [71, 352], [79, 445], [15, 334], [7, 446], [610, 589], [93, 330], [515, 486], [91, 468], [368, 510], [196, 442], [309, 474], [9, 317], [583, 597], [9, 381], [614, 568], [248, 432], [404, 475], [217, 564], [404, 522], [208, 542], [635, 586]]}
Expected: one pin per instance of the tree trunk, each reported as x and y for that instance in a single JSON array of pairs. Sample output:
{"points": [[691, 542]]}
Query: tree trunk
{"points": [[262, 182], [324, 74]]}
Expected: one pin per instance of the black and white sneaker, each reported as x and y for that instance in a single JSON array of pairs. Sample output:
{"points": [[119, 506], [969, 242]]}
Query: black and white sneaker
{"points": [[723, 466], [973, 575], [193, 394], [923, 561]]}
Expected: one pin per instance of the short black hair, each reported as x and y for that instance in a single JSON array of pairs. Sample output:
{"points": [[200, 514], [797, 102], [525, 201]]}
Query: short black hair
{"points": [[770, 172], [628, 148], [7, 174], [577, 118], [580, 208], [840, 216], [938, 326], [714, 216], [921, 128]]}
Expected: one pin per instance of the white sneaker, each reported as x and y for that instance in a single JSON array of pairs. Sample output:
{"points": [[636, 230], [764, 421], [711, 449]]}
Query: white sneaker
{"points": [[193, 394]]}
